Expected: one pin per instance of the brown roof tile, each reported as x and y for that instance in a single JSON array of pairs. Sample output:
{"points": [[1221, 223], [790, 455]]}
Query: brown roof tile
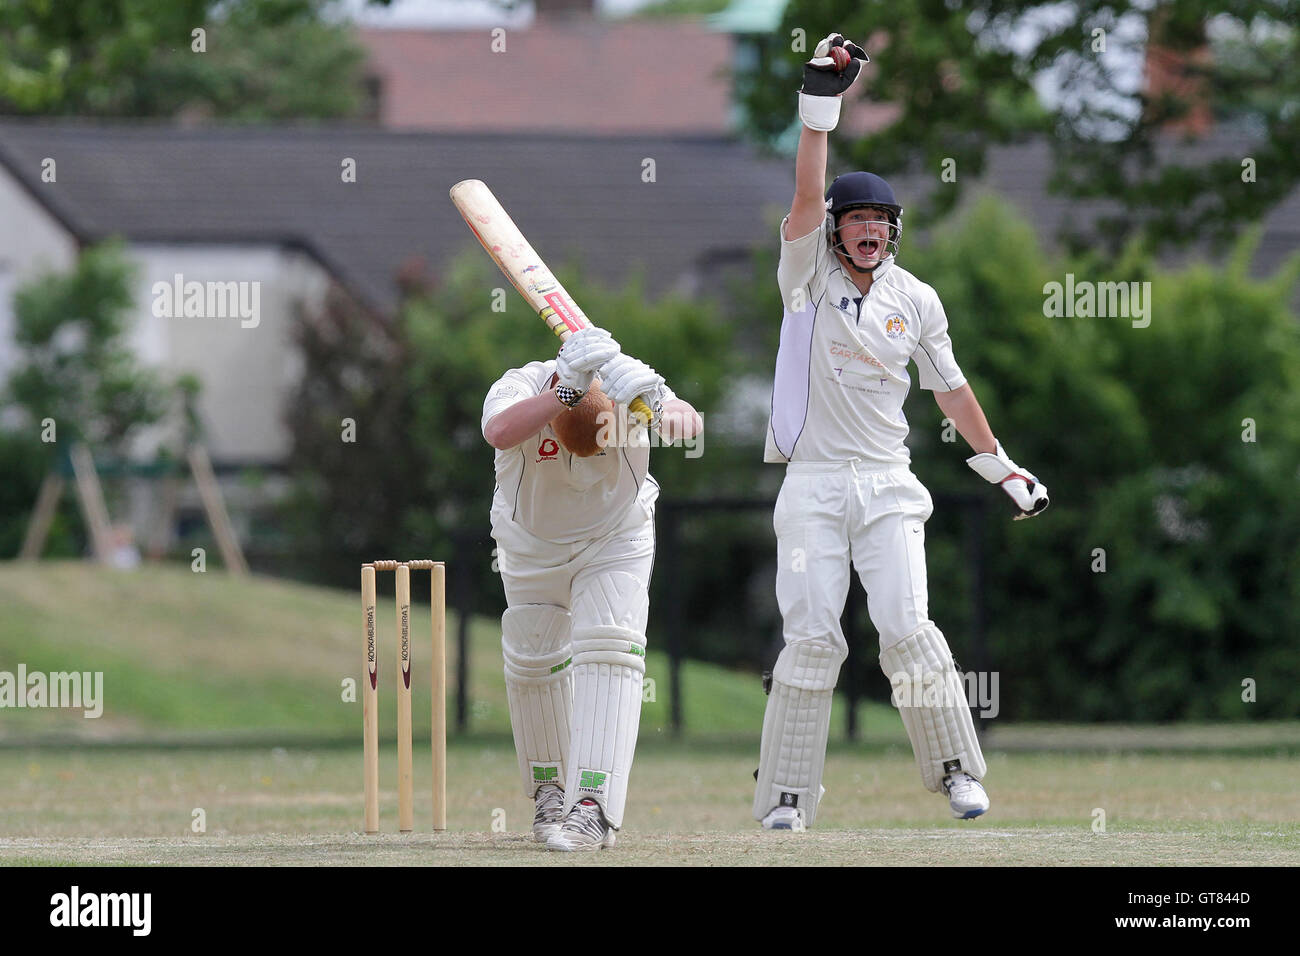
{"points": [[584, 76]]}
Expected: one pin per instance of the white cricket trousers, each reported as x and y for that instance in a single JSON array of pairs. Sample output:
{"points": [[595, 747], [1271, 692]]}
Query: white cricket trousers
{"points": [[534, 571], [868, 512], [603, 585]]}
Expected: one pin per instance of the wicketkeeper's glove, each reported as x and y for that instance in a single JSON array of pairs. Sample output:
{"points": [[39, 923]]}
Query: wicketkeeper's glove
{"points": [[823, 84], [1029, 494]]}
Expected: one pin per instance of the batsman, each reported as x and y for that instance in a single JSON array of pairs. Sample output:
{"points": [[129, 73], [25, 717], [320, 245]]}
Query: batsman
{"points": [[853, 320], [573, 518]]}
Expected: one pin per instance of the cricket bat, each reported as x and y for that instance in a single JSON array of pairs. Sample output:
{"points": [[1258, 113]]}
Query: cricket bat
{"points": [[522, 266]]}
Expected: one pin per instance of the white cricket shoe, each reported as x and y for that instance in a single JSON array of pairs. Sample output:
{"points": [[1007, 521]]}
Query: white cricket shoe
{"points": [[550, 812], [583, 829], [966, 795], [784, 818]]}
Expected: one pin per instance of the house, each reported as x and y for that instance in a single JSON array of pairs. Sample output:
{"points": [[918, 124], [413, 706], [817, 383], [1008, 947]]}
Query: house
{"points": [[274, 206]]}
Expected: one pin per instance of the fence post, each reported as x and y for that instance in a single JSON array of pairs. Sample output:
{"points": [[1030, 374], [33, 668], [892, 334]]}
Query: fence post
{"points": [[976, 511], [464, 588], [674, 614]]}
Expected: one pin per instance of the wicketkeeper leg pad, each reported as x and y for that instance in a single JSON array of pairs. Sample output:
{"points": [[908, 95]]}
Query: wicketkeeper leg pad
{"points": [[792, 754], [609, 617], [539, 689], [931, 699]]}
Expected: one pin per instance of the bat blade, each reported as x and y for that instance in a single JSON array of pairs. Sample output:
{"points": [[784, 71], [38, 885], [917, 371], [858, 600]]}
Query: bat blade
{"points": [[520, 263], [515, 257]]}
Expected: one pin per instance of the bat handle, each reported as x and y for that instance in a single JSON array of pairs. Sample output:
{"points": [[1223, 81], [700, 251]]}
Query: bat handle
{"points": [[639, 408], [642, 411]]}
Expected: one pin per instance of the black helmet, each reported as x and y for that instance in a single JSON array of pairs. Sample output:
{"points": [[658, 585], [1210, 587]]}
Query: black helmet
{"points": [[861, 189], [855, 190]]}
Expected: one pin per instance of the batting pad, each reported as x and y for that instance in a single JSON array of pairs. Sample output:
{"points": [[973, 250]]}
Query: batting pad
{"points": [[930, 697], [608, 666], [539, 689], [792, 754]]}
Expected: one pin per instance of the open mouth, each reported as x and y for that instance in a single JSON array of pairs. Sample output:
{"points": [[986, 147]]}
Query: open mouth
{"points": [[870, 248]]}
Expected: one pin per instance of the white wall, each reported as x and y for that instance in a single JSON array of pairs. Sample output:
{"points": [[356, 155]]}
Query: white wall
{"points": [[32, 241], [246, 372]]}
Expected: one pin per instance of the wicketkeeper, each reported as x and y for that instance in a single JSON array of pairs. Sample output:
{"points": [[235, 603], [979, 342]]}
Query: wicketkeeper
{"points": [[573, 518], [853, 321]]}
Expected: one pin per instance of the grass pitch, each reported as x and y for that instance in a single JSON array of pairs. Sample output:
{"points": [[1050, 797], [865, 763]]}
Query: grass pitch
{"points": [[688, 806], [229, 737]]}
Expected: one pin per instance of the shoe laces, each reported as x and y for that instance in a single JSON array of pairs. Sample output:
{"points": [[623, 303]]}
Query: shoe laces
{"points": [[550, 803], [961, 784], [586, 818]]}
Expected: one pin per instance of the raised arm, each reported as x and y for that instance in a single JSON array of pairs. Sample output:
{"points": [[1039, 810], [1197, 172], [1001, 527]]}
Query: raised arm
{"points": [[835, 64], [809, 207]]}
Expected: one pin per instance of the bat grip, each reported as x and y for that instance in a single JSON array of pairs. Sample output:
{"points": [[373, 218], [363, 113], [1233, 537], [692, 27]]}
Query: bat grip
{"points": [[642, 411], [638, 407]]}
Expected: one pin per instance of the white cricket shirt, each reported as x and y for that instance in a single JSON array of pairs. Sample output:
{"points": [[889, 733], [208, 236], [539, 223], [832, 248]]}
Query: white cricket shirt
{"points": [[841, 369], [544, 490]]}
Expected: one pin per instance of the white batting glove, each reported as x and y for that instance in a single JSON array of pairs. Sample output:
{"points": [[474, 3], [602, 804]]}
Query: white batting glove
{"points": [[625, 378], [582, 353], [1029, 494]]}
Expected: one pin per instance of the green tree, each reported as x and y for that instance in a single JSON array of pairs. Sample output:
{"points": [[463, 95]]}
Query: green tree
{"points": [[963, 76], [1138, 432], [264, 59], [75, 369], [75, 365]]}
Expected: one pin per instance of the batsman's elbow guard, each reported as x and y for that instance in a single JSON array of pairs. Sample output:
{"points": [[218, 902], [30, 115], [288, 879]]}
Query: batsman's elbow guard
{"points": [[819, 113]]}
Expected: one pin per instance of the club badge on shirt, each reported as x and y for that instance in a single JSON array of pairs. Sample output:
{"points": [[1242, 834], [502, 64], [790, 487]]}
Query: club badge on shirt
{"points": [[895, 326]]}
